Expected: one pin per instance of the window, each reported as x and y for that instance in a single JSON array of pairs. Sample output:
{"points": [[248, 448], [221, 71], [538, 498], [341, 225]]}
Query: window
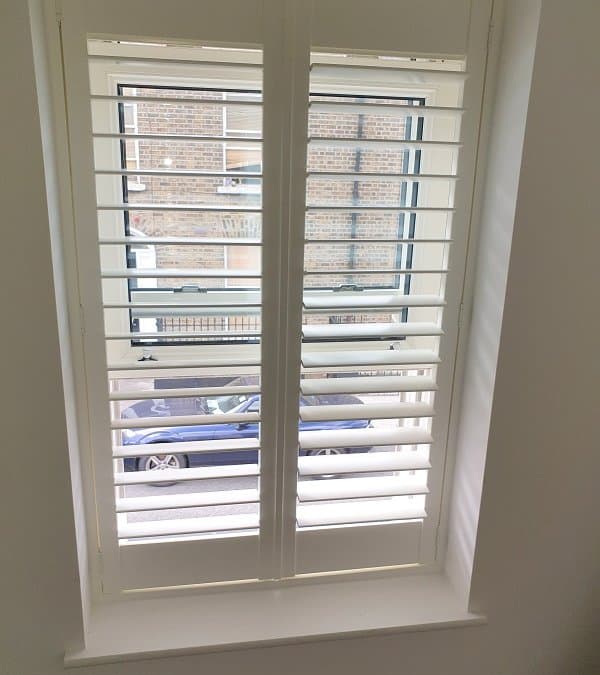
{"points": [[270, 321], [129, 125], [242, 159]]}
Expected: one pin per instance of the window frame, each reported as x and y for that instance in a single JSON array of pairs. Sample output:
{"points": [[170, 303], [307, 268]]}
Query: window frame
{"points": [[174, 86], [128, 76], [237, 188], [334, 91]]}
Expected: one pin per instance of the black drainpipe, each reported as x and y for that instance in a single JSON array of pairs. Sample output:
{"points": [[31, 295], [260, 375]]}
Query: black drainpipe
{"points": [[355, 190]]}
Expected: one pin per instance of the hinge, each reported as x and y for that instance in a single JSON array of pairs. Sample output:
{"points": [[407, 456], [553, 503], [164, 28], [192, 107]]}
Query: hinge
{"points": [[464, 314], [82, 317], [490, 35], [100, 563]]}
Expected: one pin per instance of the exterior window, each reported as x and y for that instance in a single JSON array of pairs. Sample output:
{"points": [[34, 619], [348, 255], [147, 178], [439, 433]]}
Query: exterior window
{"points": [[156, 117], [240, 122], [131, 148]]}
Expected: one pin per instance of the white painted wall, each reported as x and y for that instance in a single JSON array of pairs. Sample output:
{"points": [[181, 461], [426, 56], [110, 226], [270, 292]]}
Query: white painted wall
{"points": [[512, 55], [538, 550], [38, 563]]}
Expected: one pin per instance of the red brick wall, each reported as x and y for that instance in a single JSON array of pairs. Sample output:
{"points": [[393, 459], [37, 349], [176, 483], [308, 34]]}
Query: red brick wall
{"points": [[190, 119]]}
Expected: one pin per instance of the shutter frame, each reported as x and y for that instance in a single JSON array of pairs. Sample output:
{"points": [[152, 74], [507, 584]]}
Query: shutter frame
{"points": [[76, 24]]}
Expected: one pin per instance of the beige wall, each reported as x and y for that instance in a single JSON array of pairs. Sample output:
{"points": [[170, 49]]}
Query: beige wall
{"points": [[505, 120], [536, 569]]}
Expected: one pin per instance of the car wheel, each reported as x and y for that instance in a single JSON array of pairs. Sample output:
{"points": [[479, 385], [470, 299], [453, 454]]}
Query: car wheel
{"points": [[328, 451], [321, 452], [159, 463]]}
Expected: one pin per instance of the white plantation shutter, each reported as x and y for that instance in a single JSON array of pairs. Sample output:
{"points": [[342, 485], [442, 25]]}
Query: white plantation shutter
{"points": [[377, 242], [256, 221], [181, 112], [180, 337]]}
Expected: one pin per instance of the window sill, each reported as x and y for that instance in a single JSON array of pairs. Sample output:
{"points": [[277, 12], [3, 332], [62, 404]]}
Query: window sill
{"points": [[136, 187], [308, 612], [239, 190]]}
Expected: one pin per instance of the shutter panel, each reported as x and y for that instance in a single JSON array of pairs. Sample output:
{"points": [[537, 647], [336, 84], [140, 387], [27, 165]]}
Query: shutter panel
{"points": [[381, 169], [185, 448]]}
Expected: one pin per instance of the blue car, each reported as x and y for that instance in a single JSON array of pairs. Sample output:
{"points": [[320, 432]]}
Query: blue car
{"points": [[221, 431]]}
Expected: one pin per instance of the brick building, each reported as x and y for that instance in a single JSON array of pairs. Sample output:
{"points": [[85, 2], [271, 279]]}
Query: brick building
{"points": [[191, 119]]}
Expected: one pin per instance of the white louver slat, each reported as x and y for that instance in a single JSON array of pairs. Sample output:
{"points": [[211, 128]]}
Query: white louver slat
{"points": [[183, 364], [378, 272], [162, 528], [176, 272], [178, 241], [382, 111], [195, 447], [369, 330], [220, 498], [150, 308], [184, 392], [355, 359], [178, 100], [366, 301], [185, 420], [400, 177], [178, 173], [354, 438], [367, 385], [389, 144], [371, 462], [189, 300], [178, 475], [310, 515], [180, 138], [384, 74], [188, 208], [354, 488], [370, 411], [186, 335]]}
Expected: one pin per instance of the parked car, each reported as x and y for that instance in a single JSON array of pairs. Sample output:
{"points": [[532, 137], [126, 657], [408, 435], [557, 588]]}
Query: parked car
{"points": [[220, 431]]}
